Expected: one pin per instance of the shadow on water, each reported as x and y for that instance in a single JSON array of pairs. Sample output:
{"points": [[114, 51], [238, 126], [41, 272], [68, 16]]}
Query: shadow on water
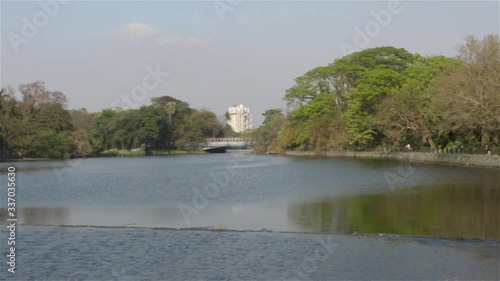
{"points": [[452, 211]]}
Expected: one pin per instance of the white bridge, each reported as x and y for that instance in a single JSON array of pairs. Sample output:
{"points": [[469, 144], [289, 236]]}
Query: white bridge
{"points": [[229, 142]]}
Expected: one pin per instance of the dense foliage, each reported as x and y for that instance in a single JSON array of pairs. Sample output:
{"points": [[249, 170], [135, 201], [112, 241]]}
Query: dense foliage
{"points": [[383, 97], [387, 97], [39, 125]]}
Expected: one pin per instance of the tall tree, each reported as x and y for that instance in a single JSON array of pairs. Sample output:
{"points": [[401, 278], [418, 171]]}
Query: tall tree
{"points": [[410, 114], [8, 116], [43, 119], [80, 136], [150, 125], [102, 131], [379, 75], [170, 109], [266, 136], [469, 97]]}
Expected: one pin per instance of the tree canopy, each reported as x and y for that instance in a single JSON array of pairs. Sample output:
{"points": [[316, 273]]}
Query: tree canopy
{"points": [[388, 97], [39, 125], [380, 97]]}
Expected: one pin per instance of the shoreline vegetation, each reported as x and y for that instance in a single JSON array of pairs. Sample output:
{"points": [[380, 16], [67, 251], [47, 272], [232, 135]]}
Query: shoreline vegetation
{"points": [[492, 161], [379, 97], [388, 99], [113, 153], [487, 161]]}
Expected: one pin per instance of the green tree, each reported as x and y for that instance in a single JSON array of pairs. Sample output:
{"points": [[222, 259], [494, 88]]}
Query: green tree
{"points": [[271, 114], [102, 130], [80, 137], [50, 144], [42, 118], [8, 116], [150, 126], [170, 109], [265, 137], [181, 111], [411, 114], [126, 127], [197, 127], [379, 76], [316, 81]]}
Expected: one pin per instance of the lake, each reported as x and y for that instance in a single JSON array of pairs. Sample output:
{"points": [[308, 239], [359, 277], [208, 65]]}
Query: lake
{"points": [[239, 216]]}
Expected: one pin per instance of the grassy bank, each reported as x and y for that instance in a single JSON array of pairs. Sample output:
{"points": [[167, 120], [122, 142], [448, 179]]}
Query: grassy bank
{"points": [[461, 159]]}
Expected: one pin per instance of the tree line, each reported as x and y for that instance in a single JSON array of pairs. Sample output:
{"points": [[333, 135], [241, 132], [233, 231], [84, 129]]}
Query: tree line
{"points": [[383, 97], [39, 125], [387, 97]]}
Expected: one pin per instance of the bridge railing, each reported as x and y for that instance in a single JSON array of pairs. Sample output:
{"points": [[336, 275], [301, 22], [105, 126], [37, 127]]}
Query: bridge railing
{"points": [[242, 142], [234, 139]]}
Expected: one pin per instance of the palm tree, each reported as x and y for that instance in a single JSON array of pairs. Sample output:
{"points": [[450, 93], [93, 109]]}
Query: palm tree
{"points": [[170, 109]]}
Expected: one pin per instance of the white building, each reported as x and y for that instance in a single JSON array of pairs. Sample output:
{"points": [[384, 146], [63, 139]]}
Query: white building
{"points": [[240, 118]]}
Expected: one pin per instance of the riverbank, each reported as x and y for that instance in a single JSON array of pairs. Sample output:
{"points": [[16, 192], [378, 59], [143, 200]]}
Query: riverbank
{"points": [[114, 153], [460, 159]]}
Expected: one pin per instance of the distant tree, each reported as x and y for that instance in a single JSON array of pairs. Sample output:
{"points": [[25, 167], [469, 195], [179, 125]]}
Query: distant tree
{"points": [[265, 137], [181, 111], [50, 144], [8, 118], [102, 131], [228, 131], [410, 114], [469, 97], [316, 81], [198, 126], [150, 125], [126, 130], [41, 117], [80, 137], [271, 114], [170, 109]]}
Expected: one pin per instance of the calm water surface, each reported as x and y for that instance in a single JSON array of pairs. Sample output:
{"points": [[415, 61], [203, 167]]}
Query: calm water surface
{"points": [[237, 191], [244, 191]]}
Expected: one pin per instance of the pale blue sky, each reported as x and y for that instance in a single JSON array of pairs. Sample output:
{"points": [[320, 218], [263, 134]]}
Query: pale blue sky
{"points": [[96, 52]]}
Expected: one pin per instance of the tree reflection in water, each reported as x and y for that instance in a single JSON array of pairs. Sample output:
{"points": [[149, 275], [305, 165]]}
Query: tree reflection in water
{"points": [[452, 211]]}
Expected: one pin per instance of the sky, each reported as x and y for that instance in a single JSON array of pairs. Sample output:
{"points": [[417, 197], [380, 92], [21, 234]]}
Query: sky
{"points": [[213, 54]]}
